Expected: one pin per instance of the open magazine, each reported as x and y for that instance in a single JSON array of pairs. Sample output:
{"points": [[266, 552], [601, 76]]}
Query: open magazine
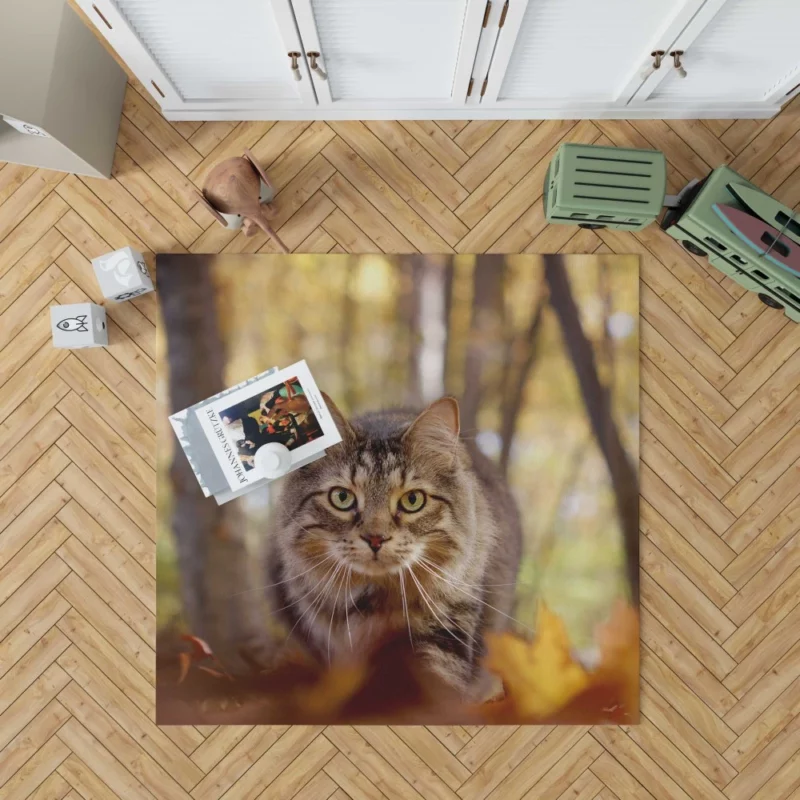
{"points": [[222, 434]]}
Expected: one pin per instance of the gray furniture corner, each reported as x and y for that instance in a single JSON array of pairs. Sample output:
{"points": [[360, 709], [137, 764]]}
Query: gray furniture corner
{"points": [[56, 76]]}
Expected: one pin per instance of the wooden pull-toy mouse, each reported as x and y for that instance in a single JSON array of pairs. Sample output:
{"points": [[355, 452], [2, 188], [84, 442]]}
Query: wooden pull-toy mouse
{"points": [[237, 192]]}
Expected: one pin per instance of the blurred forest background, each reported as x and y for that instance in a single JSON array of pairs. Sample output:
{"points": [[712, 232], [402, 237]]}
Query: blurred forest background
{"points": [[386, 331]]}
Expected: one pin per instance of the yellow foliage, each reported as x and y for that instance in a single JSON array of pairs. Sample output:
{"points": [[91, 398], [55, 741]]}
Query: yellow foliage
{"points": [[540, 676], [544, 683]]}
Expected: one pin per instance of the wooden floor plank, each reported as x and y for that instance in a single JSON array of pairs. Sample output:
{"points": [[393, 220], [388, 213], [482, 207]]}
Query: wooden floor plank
{"points": [[719, 471], [437, 143]]}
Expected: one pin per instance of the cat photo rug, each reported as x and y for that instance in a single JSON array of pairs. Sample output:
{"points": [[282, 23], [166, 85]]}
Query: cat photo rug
{"points": [[466, 552]]}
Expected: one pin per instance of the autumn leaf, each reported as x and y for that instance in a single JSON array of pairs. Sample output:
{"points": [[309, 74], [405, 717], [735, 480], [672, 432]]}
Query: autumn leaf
{"points": [[544, 683], [540, 677], [185, 661], [201, 652], [200, 648]]}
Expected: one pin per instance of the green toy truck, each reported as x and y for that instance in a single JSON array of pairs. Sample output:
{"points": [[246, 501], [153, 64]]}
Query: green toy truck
{"points": [[696, 225], [611, 187], [605, 187]]}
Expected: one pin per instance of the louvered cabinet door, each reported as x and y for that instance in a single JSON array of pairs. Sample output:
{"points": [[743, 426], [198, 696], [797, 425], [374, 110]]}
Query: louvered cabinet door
{"points": [[734, 51], [557, 54], [208, 54], [385, 54]]}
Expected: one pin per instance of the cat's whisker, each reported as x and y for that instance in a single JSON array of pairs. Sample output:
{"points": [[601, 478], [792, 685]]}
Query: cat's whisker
{"points": [[324, 597], [477, 599], [430, 563], [342, 578], [315, 533], [428, 600], [295, 602], [327, 577], [286, 580], [346, 605], [320, 598], [405, 606], [352, 601]]}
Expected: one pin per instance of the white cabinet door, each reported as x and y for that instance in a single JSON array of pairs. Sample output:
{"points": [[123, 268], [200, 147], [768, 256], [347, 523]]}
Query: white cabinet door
{"points": [[559, 54], [735, 51], [208, 54], [390, 53]]}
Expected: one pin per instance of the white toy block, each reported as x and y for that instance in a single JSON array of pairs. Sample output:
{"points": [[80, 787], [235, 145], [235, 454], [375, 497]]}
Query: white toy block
{"points": [[78, 325], [122, 274]]}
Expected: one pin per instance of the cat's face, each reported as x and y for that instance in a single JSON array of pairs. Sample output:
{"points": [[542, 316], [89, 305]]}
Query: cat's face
{"points": [[385, 499]]}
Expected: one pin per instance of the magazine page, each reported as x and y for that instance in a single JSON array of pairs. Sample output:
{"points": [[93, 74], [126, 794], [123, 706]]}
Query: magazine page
{"points": [[197, 447], [226, 495], [284, 407]]}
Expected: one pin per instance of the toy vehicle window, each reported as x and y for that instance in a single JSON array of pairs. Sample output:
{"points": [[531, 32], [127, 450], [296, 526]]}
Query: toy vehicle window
{"points": [[787, 293], [791, 225], [775, 244]]}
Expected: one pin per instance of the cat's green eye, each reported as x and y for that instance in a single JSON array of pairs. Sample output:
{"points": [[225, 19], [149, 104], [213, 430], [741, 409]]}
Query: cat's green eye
{"points": [[412, 501], [342, 499]]}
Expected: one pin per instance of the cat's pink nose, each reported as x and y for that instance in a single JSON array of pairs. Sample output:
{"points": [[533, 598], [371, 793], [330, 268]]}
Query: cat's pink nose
{"points": [[375, 541]]}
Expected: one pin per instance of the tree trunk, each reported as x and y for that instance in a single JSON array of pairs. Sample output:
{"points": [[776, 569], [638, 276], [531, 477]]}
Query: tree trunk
{"points": [[484, 335], [212, 557], [623, 473], [346, 355], [411, 267], [449, 279], [516, 388]]}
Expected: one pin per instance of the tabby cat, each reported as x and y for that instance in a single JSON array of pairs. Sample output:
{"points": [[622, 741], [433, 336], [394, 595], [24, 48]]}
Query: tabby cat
{"points": [[403, 528]]}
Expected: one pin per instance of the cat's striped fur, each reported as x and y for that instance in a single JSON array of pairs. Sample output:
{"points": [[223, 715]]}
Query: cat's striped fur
{"points": [[443, 574]]}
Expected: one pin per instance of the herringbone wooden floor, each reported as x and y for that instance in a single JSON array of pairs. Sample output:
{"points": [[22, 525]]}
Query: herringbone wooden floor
{"points": [[720, 507]]}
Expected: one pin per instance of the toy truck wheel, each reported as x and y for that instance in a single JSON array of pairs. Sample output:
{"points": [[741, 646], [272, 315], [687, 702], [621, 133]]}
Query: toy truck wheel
{"points": [[693, 248], [592, 226], [770, 301]]}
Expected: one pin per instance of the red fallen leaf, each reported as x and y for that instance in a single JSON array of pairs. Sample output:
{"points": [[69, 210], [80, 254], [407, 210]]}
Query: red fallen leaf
{"points": [[199, 647], [200, 652], [185, 660]]}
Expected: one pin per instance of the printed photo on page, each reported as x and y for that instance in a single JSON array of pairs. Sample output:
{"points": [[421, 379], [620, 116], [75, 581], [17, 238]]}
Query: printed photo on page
{"points": [[286, 407]]}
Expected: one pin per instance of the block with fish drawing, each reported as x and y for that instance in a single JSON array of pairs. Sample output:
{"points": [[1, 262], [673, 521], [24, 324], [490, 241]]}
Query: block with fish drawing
{"points": [[78, 325], [122, 275]]}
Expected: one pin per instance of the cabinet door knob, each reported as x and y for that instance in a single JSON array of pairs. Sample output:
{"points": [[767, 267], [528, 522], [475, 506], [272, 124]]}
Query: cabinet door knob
{"points": [[658, 56], [676, 60], [294, 55], [312, 57]]}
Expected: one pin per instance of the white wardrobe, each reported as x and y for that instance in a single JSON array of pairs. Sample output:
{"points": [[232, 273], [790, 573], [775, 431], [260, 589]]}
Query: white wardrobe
{"points": [[439, 59]]}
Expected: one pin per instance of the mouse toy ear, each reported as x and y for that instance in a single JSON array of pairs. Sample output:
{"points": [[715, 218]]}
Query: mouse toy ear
{"points": [[257, 167], [213, 211]]}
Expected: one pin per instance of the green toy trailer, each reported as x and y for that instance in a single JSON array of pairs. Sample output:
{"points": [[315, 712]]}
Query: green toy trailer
{"points": [[612, 187], [605, 187], [696, 225]]}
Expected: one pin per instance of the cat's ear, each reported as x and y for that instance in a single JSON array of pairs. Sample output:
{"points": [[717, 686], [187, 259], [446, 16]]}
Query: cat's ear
{"points": [[439, 422], [342, 425]]}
